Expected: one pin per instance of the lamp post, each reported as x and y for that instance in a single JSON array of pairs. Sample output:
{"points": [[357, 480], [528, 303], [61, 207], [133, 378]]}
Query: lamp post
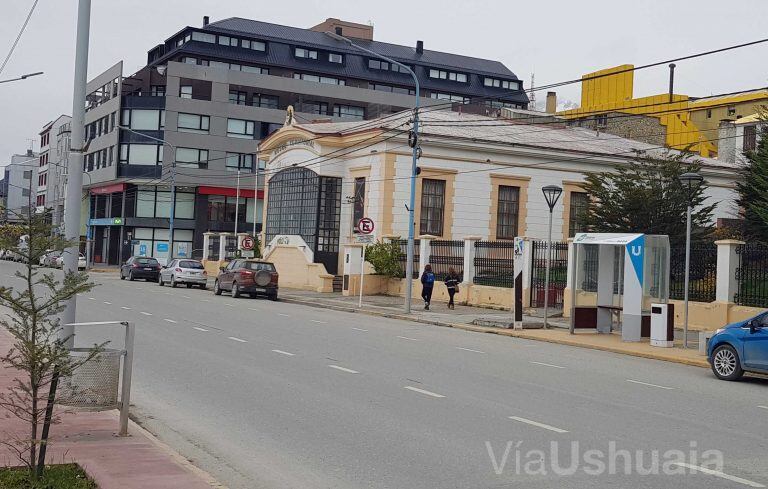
{"points": [[413, 141], [173, 187], [551, 195], [691, 182]]}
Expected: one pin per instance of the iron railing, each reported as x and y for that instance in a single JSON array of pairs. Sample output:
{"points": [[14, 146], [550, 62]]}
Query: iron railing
{"points": [[444, 254], [702, 272], [495, 263], [403, 243], [558, 273], [752, 275]]}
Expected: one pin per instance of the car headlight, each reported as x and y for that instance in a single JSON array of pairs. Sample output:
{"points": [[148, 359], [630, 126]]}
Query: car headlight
{"points": [[719, 330]]}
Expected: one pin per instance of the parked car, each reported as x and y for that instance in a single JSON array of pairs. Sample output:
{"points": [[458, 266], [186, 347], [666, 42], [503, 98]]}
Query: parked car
{"points": [[250, 277], [140, 267], [58, 261], [49, 258], [188, 272], [740, 347]]}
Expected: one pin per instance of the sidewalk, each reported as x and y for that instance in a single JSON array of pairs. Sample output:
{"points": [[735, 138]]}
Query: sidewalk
{"points": [[481, 320], [139, 461]]}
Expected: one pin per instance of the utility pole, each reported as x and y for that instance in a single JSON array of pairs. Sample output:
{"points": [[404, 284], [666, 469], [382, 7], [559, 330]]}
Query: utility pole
{"points": [[237, 200], [75, 174], [173, 208]]}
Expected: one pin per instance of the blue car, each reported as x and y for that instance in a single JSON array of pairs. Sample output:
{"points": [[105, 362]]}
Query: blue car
{"points": [[740, 347]]}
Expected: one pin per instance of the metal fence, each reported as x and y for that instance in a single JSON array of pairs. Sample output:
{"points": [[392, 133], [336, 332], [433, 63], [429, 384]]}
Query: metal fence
{"points": [[752, 275], [445, 254], [702, 272], [495, 263], [558, 273], [404, 257]]}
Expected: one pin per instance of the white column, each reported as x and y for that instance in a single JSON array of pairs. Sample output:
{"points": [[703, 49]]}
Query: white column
{"points": [[469, 258], [206, 244], [223, 246], [727, 262], [527, 264], [571, 263], [424, 251]]}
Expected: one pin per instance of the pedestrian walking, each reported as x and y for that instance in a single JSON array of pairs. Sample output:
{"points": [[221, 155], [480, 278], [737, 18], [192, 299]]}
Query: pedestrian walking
{"points": [[427, 284], [452, 284]]}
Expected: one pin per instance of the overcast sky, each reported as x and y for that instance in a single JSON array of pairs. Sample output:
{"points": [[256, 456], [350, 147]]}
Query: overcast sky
{"points": [[555, 39]]}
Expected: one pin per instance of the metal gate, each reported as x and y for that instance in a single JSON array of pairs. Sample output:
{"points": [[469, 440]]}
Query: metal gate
{"points": [[558, 273]]}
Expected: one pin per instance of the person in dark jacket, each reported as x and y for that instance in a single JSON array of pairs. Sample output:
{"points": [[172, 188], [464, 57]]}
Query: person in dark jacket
{"points": [[452, 284], [427, 284]]}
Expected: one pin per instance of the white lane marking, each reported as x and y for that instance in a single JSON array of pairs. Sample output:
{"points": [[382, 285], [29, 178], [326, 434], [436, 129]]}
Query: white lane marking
{"points": [[469, 349], [167, 293], [763, 407], [547, 364], [186, 296], [200, 329], [281, 314], [540, 425], [206, 300], [422, 391], [233, 338], [360, 329], [169, 320], [318, 321], [650, 385], [107, 303], [253, 309], [146, 313], [717, 473], [407, 338], [229, 305], [126, 308], [91, 298], [283, 353], [348, 370]]}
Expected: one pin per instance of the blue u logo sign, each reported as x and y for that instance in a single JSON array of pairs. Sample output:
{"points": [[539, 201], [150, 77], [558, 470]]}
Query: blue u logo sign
{"points": [[637, 250]]}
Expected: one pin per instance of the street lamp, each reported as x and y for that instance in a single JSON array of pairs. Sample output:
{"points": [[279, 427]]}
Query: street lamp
{"points": [[551, 195], [22, 77], [691, 182], [413, 141]]}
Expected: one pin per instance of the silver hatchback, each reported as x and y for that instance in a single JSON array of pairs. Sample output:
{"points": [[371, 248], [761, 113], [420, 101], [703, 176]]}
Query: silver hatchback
{"points": [[184, 271]]}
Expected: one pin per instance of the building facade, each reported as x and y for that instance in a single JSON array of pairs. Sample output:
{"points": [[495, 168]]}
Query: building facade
{"points": [[52, 168], [20, 186], [193, 118], [740, 136], [478, 177], [686, 122]]}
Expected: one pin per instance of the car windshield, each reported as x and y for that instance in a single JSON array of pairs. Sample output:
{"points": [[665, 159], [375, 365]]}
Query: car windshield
{"points": [[250, 265], [146, 261], [191, 264]]}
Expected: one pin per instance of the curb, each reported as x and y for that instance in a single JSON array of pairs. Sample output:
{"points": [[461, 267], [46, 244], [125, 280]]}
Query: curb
{"points": [[499, 331]]}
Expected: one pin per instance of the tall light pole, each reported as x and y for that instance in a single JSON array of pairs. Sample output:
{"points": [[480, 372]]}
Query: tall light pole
{"points": [[551, 195], [413, 141], [691, 182], [75, 173], [173, 186]]}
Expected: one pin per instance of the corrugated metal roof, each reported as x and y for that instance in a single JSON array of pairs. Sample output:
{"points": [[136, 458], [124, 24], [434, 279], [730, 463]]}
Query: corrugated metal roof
{"points": [[404, 54], [449, 124]]}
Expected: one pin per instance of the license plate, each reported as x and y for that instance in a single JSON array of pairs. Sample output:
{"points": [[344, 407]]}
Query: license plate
{"points": [[149, 269]]}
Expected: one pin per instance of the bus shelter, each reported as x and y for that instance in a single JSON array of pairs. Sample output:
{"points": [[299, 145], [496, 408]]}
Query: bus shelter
{"points": [[614, 280]]}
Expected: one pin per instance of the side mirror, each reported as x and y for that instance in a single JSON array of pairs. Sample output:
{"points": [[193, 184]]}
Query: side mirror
{"points": [[753, 326], [223, 267]]}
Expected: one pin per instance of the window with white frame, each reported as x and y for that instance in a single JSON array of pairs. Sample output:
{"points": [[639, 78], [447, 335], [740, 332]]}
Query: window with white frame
{"points": [[204, 37], [185, 91], [255, 45], [505, 84], [305, 53], [193, 123], [238, 128], [335, 58], [448, 75], [191, 158], [227, 41]]}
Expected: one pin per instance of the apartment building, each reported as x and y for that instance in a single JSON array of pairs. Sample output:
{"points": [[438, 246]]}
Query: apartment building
{"points": [[196, 112], [20, 186], [53, 164]]}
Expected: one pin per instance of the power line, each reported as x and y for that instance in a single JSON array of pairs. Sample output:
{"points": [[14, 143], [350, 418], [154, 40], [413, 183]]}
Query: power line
{"points": [[18, 37]]}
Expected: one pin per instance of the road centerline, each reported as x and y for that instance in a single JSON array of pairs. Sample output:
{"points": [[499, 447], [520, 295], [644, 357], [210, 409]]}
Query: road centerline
{"points": [[650, 385], [170, 320], [547, 364], [407, 338], [286, 353], [537, 424], [235, 338], [423, 391], [359, 329], [719, 474], [146, 313], [469, 349], [200, 329], [344, 369]]}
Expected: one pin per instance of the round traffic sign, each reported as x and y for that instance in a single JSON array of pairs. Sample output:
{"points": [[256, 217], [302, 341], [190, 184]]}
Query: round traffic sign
{"points": [[248, 243], [365, 225]]}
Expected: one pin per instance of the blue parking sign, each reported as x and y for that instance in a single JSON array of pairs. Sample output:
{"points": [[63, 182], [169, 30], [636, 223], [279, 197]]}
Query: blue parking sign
{"points": [[143, 249]]}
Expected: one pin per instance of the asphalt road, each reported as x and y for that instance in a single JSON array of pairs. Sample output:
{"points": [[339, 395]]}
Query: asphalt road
{"points": [[276, 395]]}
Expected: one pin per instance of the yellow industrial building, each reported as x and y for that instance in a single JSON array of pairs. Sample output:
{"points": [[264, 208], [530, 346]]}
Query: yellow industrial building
{"points": [[684, 121]]}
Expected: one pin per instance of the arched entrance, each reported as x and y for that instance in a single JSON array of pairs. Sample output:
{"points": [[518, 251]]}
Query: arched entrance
{"points": [[301, 202]]}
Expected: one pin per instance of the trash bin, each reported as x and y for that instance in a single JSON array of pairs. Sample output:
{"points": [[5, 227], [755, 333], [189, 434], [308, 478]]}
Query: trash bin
{"points": [[94, 384]]}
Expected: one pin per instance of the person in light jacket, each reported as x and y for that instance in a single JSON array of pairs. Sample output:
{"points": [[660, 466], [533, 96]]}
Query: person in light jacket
{"points": [[427, 284], [452, 284]]}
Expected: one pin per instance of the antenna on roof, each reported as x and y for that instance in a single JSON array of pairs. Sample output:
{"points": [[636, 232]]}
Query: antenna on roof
{"points": [[532, 98]]}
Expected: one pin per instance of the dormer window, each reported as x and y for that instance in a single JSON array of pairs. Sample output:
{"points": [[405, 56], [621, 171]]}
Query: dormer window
{"points": [[335, 58], [255, 45], [305, 53], [448, 75], [505, 84]]}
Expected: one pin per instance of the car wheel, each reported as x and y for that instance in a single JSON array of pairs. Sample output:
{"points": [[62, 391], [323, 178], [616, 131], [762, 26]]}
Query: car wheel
{"points": [[130, 276], [216, 288], [173, 282], [122, 277], [235, 290], [189, 286], [725, 363], [272, 296], [203, 286], [160, 280]]}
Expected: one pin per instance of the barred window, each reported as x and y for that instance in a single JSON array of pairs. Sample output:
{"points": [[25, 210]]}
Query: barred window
{"points": [[578, 206], [508, 212], [432, 207], [359, 204], [750, 138]]}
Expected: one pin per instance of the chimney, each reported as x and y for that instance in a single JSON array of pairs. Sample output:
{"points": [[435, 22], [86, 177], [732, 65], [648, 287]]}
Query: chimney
{"points": [[551, 102], [338, 31], [419, 47], [206, 19]]}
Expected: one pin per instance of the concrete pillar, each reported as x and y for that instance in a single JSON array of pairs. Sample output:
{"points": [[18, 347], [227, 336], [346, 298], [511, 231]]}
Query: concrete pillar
{"points": [[424, 250], [727, 263], [527, 265], [223, 246], [206, 244], [469, 258]]}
